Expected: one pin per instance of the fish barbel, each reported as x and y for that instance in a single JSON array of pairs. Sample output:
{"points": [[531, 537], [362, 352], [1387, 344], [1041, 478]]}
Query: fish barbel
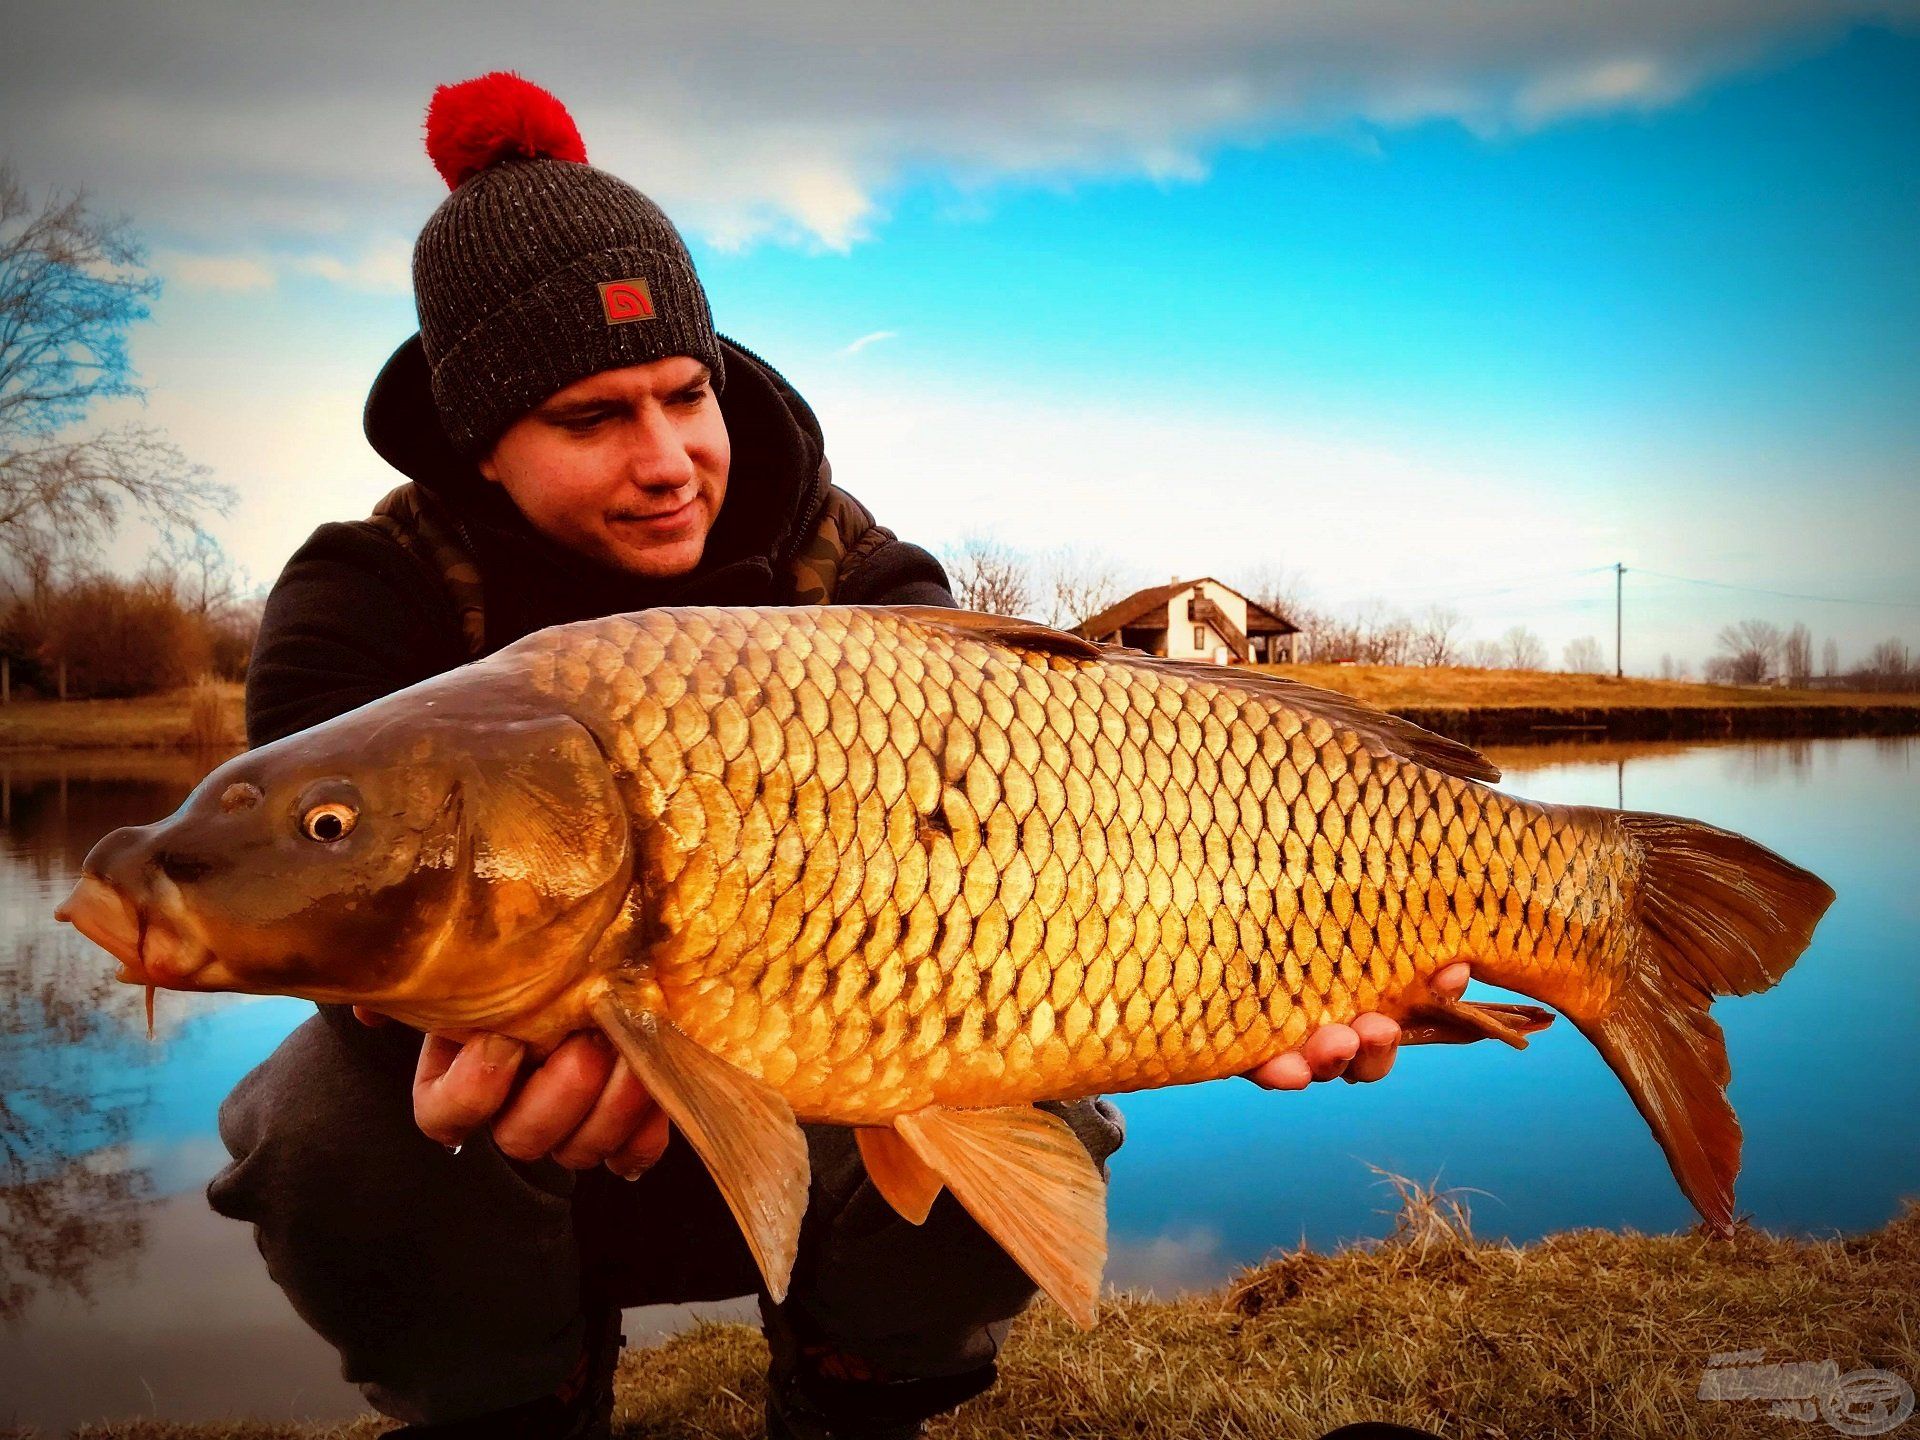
{"points": [[912, 870]]}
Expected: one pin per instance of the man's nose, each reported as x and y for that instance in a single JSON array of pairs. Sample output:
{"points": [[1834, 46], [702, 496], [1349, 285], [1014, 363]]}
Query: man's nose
{"points": [[657, 457]]}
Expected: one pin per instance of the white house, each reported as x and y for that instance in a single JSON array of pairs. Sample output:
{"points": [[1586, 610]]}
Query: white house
{"points": [[1195, 620]]}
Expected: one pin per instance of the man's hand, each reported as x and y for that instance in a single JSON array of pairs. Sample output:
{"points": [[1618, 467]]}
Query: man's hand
{"points": [[1363, 1050], [581, 1105]]}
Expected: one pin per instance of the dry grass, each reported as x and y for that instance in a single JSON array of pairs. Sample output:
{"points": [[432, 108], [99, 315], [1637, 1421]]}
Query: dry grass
{"points": [[1586, 1333], [177, 719], [1397, 686]]}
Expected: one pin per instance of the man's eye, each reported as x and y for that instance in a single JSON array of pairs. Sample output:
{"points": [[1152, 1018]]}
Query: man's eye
{"points": [[693, 396], [581, 424]]}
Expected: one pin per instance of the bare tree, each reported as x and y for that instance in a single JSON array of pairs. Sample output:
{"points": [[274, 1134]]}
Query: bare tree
{"points": [[1830, 656], [1521, 649], [1585, 657], [71, 286], [1889, 660], [1286, 594], [1751, 650], [1380, 636], [1796, 655], [1438, 637], [990, 577], [1075, 586], [200, 575]]}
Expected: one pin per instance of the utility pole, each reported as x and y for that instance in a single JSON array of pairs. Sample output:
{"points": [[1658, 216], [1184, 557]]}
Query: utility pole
{"points": [[1619, 668]]}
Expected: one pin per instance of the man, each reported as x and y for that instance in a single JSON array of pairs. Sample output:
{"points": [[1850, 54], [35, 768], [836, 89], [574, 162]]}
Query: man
{"points": [[580, 443]]}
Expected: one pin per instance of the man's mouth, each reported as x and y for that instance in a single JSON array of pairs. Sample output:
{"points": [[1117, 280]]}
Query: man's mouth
{"points": [[667, 519]]}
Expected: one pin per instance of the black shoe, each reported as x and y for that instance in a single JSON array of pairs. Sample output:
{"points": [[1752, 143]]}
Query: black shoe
{"points": [[803, 1404], [581, 1408]]}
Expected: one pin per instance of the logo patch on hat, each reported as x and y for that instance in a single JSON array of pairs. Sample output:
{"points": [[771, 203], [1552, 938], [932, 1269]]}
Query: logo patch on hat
{"points": [[625, 300]]}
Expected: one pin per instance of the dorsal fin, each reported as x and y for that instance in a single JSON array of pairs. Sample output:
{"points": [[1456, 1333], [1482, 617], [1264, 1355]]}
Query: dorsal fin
{"points": [[1006, 630], [1385, 734]]}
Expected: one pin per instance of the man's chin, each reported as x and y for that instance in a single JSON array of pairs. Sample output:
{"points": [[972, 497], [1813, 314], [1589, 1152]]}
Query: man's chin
{"points": [[666, 561]]}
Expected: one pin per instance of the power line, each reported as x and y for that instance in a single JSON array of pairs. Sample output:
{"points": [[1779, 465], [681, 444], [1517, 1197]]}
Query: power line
{"points": [[1531, 583], [1780, 594]]}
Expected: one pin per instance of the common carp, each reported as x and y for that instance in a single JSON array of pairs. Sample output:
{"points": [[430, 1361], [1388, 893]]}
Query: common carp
{"points": [[911, 870]]}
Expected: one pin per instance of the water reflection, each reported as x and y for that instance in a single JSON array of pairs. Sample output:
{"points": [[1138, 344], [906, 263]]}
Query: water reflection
{"points": [[73, 1084]]}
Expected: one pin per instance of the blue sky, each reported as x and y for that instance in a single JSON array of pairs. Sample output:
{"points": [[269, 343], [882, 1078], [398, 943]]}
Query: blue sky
{"points": [[1461, 328]]}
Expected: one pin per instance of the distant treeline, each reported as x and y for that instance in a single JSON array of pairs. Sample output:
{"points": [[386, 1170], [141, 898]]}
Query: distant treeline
{"points": [[108, 636]]}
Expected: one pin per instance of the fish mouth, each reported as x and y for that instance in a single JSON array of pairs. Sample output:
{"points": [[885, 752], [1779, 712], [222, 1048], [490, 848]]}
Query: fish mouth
{"points": [[149, 954]]}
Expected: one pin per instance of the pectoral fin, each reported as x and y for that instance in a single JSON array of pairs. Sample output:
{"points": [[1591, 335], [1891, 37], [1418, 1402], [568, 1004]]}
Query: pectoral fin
{"points": [[1461, 1022], [1030, 1183], [738, 1125], [897, 1173]]}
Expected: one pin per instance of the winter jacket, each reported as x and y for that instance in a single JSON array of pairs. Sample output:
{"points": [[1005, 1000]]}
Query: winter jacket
{"points": [[447, 569]]}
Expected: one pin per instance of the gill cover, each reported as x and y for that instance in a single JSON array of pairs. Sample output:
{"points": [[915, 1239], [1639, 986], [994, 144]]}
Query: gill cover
{"points": [[542, 865]]}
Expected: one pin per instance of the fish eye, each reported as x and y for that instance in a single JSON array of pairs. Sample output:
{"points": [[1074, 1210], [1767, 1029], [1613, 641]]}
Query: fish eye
{"points": [[329, 821]]}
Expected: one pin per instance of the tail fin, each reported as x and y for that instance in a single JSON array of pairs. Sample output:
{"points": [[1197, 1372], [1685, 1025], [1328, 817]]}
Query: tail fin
{"points": [[1717, 915]]}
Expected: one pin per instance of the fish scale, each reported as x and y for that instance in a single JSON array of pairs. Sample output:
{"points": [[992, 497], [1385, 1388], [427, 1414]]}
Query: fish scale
{"points": [[883, 874]]}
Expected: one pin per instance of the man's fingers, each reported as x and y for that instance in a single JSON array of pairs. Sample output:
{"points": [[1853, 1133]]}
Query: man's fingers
{"points": [[457, 1087], [643, 1151], [622, 1108], [1326, 1053], [556, 1098], [1284, 1072], [1451, 982], [368, 1017], [1329, 1050], [1379, 1043]]}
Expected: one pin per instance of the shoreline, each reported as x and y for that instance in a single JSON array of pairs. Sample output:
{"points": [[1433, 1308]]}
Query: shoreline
{"points": [[1583, 1332], [1477, 707], [1545, 725]]}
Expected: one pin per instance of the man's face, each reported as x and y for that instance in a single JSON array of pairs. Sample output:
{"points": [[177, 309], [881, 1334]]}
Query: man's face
{"points": [[627, 467]]}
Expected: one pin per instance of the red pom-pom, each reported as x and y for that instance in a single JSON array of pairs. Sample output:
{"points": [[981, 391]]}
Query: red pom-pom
{"points": [[497, 117]]}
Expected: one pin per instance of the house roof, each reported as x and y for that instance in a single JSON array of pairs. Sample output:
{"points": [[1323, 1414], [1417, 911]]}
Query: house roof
{"points": [[1260, 620]]}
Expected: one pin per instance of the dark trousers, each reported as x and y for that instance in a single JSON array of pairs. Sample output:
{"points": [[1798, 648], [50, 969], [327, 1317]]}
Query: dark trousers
{"points": [[455, 1285]]}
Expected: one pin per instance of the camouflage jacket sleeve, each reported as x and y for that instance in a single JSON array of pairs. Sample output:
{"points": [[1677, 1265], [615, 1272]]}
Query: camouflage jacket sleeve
{"points": [[350, 619], [852, 559]]}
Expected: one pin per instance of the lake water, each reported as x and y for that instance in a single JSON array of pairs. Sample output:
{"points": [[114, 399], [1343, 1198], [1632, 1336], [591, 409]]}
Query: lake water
{"points": [[122, 1295]]}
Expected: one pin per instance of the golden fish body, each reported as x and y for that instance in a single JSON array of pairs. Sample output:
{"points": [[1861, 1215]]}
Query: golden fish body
{"points": [[911, 870], [885, 864]]}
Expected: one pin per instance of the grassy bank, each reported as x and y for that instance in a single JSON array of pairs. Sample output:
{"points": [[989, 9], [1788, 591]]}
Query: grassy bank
{"points": [[1520, 706], [1391, 686], [206, 716], [1474, 705], [1587, 1333]]}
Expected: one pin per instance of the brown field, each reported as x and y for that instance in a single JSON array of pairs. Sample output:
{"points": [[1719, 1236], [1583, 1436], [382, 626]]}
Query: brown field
{"points": [[1392, 687], [1585, 1333], [168, 721]]}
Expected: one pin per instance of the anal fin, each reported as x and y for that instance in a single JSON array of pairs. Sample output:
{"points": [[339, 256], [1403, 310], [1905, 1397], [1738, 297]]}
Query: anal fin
{"points": [[901, 1176], [1440, 1021], [1028, 1180], [740, 1126]]}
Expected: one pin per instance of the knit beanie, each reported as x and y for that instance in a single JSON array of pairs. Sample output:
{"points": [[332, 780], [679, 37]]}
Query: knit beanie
{"points": [[539, 270]]}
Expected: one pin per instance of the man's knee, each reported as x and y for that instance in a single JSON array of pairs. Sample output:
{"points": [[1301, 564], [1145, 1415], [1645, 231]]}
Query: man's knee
{"points": [[317, 1105]]}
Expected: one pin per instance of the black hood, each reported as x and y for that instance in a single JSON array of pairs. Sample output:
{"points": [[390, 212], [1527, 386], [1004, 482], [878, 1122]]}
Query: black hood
{"points": [[775, 484]]}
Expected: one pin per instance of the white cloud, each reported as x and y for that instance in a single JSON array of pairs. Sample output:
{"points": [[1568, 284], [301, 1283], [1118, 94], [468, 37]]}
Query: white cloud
{"points": [[386, 268], [382, 269], [865, 340], [216, 272], [753, 122]]}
